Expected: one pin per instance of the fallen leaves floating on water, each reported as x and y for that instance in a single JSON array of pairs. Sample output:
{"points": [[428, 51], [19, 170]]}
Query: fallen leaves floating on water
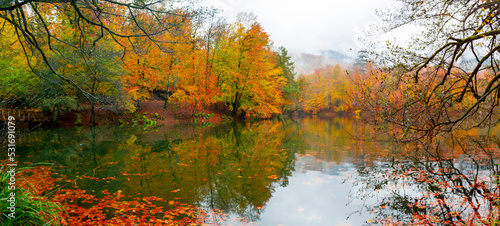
{"points": [[273, 177]]}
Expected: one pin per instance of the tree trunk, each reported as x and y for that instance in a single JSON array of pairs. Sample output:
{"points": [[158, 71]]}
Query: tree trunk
{"points": [[92, 116], [168, 85], [235, 105]]}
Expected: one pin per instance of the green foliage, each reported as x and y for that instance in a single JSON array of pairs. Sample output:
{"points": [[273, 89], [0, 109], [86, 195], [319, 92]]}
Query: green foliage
{"points": [[16, 81], [292, 91], [362, 58], [30, 209], [204, 125], [286, 64], [143, 120], [148, 122], [59, 104], [204, 115], [62, 102], [78, 119], [227, 119]]}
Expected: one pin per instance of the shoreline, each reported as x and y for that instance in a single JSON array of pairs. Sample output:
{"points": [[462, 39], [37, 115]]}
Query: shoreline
{"points": [[152, 112]]}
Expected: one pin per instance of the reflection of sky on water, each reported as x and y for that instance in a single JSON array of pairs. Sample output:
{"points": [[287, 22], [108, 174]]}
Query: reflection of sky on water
{"points": [[316, 195]]}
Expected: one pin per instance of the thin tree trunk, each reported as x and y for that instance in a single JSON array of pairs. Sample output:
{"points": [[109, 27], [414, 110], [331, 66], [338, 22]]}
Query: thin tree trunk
{"points": [[168, 90], [235, 105], [92, 116]]}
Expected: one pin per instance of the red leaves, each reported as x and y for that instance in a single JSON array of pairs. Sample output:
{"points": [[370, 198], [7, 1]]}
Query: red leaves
{"points": [[273, 177], [82, 208], [91, 178], [38, 179], [153, 198], [128, 207], [176, 190]]}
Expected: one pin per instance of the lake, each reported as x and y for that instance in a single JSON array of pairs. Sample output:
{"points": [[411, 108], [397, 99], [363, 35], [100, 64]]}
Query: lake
{"points": [[308, 171]]}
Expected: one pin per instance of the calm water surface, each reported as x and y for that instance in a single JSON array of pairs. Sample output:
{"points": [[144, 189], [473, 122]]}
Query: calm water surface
{"points": [[295, 172]]}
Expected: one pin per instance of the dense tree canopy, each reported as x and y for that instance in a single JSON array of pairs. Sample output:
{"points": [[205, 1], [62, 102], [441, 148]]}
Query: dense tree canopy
{"points": [[113, 55], [78, 45], [249, 74], [89, 23]]}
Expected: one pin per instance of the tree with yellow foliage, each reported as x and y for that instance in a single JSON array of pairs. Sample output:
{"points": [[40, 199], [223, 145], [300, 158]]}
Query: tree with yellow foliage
{"points": [[249, 75]]}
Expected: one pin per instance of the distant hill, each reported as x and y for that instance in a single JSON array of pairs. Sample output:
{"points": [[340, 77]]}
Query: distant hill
{"points": [[332, 54], [306, 63]]}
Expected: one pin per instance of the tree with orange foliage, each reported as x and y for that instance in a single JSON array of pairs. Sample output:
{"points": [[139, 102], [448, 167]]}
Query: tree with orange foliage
{"points": [[154, 66], [91, 25], [328, 88], [198, 84], [249, 76]]}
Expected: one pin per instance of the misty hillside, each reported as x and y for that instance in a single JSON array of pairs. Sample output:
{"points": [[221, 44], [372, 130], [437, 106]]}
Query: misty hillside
{"points": [[306, 63]]}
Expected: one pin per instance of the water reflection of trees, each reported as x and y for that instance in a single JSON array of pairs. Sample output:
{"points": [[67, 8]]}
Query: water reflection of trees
{"points": [[234, 168], [237, 167], [450, 182]]}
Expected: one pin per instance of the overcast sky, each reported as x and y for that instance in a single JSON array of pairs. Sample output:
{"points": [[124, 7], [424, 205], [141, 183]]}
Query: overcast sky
{"points": [[309, 25]]}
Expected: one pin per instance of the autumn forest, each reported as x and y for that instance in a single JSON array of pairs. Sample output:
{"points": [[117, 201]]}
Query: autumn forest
{"points": [[168, 113]]}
